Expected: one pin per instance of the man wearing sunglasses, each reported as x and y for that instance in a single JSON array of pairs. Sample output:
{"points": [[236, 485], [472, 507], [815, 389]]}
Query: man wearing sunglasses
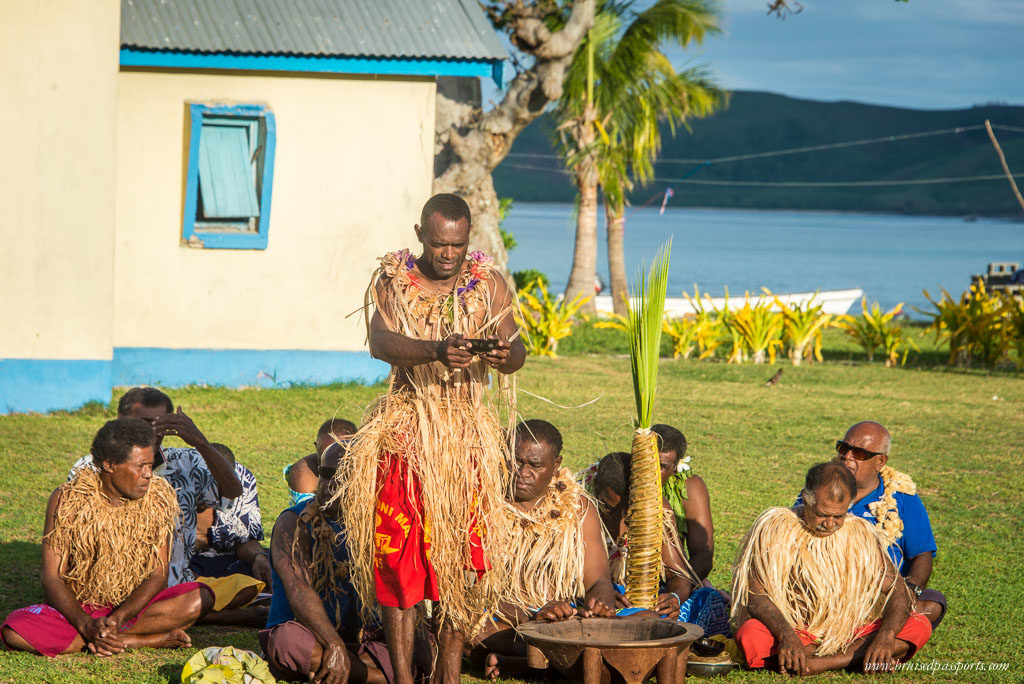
{"points": [[888, 499]]}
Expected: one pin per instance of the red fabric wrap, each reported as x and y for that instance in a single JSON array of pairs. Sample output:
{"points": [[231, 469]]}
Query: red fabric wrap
{"points": [[47, 630], [403, 573], [757, 643]]}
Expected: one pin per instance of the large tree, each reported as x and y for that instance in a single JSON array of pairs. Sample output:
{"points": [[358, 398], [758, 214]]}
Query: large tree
{"points": [[618, 89], [469, 142]]}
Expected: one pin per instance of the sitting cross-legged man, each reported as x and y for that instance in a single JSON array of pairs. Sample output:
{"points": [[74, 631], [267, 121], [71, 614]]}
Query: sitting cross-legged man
{"points": [[314, 609], [888, 499], [814, 590], [558, 565], [684, 594], [301, 476], [105, 558]]}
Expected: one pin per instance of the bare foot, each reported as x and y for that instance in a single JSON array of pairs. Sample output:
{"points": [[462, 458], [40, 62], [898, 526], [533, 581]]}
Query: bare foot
{"points": [[491, 670], [176, 638]]}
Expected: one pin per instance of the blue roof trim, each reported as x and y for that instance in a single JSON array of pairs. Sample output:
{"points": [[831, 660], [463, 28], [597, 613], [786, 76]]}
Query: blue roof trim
{"points": [[302, 63]]}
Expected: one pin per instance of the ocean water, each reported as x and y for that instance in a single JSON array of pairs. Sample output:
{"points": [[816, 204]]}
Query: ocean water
{"points": [[892, 258]]}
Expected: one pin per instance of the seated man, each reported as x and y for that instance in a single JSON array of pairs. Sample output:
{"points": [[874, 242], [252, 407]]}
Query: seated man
{"points": [[889, 499], [683, 594], [229, 558], [301, 475], [556, 554], [314, 607], [199, 474], [104, 562], [814, 590]]}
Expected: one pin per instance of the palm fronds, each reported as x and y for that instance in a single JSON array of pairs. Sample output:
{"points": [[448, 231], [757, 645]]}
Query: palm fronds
{"points": [[644, 315]]}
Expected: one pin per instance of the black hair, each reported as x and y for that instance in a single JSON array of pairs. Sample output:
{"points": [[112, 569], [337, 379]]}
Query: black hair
{"points": [[537, 430], [834, 477], [670, 439], [336, 426], [147, 396], [224, 450], [613, 472], [449, 206], [114, 442]]}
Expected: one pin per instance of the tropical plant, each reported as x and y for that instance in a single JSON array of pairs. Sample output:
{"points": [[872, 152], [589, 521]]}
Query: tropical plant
{"points": [[753, 330], [973, 326], [875, 329], [708, 324], [527, 276], [1013, 309], [545, 321], [617, 87], [644, 316], [802, 326], [683, 331]]}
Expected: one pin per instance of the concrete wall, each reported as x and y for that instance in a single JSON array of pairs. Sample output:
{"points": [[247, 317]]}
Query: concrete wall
{"points": [[57, 121], [354, 164]]}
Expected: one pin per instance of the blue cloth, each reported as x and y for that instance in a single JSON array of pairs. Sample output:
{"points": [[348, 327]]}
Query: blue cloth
{"points": [[281, 610], [242, 521], [917, 535], [705, 608]]}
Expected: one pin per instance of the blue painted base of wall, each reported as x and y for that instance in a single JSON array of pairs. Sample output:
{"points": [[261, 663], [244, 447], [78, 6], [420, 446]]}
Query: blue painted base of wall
{"points": [[242, 367], [44, 385]]}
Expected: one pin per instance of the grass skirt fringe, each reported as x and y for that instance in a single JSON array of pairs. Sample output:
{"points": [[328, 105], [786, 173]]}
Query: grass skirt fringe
{"points": [[459, 454], [829, 586], [545, 553], [110, 549]]}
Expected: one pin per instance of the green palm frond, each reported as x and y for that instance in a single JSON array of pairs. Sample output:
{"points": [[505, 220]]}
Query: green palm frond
{"points": [[644, 313]]}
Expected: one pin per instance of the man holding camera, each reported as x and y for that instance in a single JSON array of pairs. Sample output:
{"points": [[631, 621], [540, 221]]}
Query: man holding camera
{"points": [[432, 448]]}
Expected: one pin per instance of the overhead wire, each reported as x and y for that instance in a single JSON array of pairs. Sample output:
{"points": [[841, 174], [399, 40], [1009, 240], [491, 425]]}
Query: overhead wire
{"points": [[797, 150]]}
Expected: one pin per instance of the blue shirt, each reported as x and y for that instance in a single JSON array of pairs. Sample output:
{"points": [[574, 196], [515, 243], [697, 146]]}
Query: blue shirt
{"points": [[917, 535], [281, 610]]}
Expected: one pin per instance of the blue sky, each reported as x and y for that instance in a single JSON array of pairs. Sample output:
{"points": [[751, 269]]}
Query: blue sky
{"points": [[927, 54], [922, 54]]}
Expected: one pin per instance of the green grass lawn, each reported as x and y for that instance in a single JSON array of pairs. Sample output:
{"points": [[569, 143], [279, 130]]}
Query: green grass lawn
{"points": [[960, 434]]}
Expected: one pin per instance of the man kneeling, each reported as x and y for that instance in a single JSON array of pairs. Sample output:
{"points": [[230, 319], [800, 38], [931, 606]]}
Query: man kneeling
{"points": [[314, 608], [558, 566], [815, 589], [104, 566]]}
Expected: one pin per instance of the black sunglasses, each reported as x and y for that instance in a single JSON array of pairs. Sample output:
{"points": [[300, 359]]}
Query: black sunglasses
{"points": [[857, 452]]}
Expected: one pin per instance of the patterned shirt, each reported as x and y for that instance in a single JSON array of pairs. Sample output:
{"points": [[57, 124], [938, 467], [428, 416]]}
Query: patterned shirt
{"points": [[186, 471], [241, 521]]}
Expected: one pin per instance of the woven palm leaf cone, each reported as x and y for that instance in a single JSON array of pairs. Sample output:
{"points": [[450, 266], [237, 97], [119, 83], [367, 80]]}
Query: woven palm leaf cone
{"points": [[644, 318]]}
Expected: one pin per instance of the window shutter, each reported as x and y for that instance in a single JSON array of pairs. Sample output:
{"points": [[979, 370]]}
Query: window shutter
{"points": [[226, 177]]}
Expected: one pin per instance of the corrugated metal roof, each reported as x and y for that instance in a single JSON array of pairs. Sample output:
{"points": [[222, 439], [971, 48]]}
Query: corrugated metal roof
{"points": [[409, 29]]}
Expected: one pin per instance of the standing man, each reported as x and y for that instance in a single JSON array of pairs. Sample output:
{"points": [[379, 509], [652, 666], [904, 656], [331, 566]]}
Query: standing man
{"points": [[888, 499], [431, 449], [200, 474]]}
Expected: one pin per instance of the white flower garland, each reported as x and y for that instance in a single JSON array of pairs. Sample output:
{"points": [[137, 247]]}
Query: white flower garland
{"points": [[887, 515]]}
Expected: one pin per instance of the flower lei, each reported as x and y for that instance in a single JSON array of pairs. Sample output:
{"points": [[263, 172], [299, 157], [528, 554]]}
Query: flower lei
{"points": [[887, 515]]}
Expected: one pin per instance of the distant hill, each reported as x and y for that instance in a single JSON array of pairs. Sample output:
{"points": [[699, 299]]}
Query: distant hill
{"points": [[762, 122]]}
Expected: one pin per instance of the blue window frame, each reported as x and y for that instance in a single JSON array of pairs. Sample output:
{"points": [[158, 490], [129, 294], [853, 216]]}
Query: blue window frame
{"points": [[230, 176]]}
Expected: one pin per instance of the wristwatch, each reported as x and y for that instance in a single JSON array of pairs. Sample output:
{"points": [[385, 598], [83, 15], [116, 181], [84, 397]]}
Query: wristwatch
{"points": [[914, 588]]}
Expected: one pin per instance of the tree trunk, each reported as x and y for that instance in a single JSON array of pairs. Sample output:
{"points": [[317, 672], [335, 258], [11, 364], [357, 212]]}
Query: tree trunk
{"points": [[584, 259], [616, 227], [470, 143]]}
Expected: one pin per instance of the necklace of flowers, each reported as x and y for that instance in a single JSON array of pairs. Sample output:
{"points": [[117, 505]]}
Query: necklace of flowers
{"points": [[885, 510]]}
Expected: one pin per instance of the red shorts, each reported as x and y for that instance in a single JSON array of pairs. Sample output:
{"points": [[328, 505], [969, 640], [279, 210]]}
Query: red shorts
{"points": [[47, 630], [403, 573], [757, 643]]}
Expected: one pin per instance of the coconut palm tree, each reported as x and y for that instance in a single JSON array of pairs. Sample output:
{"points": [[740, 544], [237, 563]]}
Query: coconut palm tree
{"points": [[617, 89]]}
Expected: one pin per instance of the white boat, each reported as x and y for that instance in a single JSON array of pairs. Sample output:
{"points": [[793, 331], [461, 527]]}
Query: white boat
{"points": [[832, 301]]}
